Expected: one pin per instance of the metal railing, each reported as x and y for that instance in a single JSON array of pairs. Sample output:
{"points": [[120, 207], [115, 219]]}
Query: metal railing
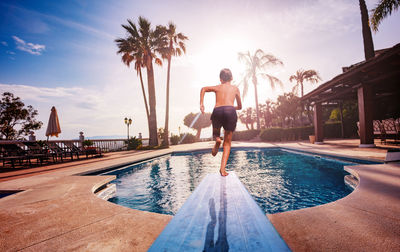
{"points": [[105, 145]]}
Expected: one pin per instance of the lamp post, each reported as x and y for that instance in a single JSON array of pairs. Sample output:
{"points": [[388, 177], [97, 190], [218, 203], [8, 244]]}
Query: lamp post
{"points": [[128, 122]]}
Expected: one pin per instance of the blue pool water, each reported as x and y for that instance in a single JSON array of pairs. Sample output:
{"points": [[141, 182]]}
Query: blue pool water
{"points": [[279, 180]]}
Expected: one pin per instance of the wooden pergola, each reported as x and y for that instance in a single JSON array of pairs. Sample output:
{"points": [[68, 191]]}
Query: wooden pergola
{"points": [[373, 83]]}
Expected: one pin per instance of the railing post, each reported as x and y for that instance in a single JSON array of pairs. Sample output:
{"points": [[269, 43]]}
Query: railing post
{"points": [[81, 139]]}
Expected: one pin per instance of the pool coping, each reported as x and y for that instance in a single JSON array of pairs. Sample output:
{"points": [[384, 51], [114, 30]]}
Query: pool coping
{"points": [[59, 210]]}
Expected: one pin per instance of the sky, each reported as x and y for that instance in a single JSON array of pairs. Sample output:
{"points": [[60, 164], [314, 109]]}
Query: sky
{"points": [[63, 54]]}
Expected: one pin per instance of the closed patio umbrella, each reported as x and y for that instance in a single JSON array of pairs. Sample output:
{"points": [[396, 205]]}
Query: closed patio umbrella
{"points": [[53, 128]]}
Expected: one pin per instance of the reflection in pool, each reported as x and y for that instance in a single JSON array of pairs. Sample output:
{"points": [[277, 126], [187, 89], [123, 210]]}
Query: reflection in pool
{"points": [[278, 180]]}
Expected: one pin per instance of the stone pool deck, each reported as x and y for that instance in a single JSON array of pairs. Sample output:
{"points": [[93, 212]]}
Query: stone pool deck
{"points": [[57, 209]]}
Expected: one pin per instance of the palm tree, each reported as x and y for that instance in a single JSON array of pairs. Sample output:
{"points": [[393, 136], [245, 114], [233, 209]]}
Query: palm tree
{"points": [[382, 10], [301, 75], [366, 31], [143, 43], [247, 117], [176, 47], [255, 65], [131, 52]]}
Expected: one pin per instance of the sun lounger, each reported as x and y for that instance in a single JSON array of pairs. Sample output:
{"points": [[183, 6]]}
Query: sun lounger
{"points": [[85, 151], [60, 152], [12, 153], [38, 152]]}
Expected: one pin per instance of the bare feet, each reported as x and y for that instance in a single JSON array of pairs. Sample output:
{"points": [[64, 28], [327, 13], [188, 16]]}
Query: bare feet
{"points": [[216, 146], [223, 173]]}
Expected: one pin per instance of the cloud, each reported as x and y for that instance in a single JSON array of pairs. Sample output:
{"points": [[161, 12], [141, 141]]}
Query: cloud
{"points": [[41, 27], [10, 52], [95, 111], [35, 49], [4, 43]]}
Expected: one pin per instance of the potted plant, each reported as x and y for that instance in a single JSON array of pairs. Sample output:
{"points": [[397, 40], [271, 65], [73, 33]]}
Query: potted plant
{"points": [[87, 144]]}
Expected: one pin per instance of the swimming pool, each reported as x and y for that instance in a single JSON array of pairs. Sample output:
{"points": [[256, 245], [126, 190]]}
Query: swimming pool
{"points": [[278, 179]]}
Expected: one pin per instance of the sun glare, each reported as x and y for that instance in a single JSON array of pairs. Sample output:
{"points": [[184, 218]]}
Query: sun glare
{"points": [[221, 53]]}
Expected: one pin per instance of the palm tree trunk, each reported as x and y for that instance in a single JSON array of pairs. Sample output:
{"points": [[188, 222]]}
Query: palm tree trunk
{"points": [[166, 141], [144, 95], [198, 134], [366, 32], [153, 141], [256, 95], [302, 89]]}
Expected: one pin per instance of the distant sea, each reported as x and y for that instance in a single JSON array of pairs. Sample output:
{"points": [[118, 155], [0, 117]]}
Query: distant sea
{"points": [[107, 137]]}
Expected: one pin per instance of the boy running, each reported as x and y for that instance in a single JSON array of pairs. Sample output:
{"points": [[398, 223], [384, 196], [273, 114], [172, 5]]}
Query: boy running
{"points": [[224, 113]]}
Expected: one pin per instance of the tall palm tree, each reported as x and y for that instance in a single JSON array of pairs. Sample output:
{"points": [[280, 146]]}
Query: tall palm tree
{"points": [[301, 75], [131, 52], [256, 64], [382, 10], [176, 47], [366, 32], [143, 43]]}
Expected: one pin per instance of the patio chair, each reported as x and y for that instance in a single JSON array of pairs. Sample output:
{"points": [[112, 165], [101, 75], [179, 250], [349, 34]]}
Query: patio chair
{"points": [[397, 124], [13, 153], [390, 131], [378, 129]]}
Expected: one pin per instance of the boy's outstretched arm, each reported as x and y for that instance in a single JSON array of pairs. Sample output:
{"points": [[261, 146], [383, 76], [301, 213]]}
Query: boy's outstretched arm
{"points": [[238, 100], [202, 92]]}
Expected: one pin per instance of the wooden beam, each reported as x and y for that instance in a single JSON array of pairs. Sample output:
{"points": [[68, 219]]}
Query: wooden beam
{"points": [[341, 118], [318, 123], [365, 95]]}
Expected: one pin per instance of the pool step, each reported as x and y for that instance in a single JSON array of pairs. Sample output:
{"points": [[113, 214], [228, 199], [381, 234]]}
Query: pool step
{"points": [[220, 215], [351, 181]]}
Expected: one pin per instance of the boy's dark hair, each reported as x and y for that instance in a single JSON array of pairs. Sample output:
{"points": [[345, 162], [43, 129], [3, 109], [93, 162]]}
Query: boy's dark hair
{"points": [[225, 75]]}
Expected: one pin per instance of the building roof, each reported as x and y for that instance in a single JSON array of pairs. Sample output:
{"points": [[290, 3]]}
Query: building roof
{"points": [[382, 71]]}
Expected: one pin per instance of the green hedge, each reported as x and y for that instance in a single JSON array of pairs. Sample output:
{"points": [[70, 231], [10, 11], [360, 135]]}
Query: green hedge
{"points": [[331, 130], [175, 139], [272, 134], [190, 138], [245, 135]]}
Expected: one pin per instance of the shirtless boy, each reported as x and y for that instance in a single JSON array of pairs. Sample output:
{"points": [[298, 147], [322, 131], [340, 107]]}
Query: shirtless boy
{"points": [[224, 113]]}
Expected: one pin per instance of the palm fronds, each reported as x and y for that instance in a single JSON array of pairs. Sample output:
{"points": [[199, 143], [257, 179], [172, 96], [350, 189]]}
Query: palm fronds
{"points": [[381, 11]]}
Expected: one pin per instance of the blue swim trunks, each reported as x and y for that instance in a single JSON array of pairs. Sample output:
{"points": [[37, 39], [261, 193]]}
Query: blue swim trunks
{"points": [[224, 116]]}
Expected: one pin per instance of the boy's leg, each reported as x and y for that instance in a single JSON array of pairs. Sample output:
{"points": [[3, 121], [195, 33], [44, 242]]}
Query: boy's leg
{"points": [[216, 146], [227, 151], [216, 135]]}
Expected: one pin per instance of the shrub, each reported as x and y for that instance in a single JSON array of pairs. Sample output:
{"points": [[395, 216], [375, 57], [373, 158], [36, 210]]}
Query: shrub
{"points": [[190, 138], [175, 139], [271, 134], [245, 135], [286, 134], [87, 143], [133, 143], [332, 130]]}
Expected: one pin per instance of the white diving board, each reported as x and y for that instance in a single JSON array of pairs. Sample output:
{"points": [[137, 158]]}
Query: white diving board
{"points": [[220, 215]]}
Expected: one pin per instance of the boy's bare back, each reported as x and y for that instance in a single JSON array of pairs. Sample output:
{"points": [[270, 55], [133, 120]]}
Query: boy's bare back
{"points": [[225, 94]]}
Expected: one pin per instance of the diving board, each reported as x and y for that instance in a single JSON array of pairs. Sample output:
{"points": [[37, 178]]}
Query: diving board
{"points": [[220, 215]]}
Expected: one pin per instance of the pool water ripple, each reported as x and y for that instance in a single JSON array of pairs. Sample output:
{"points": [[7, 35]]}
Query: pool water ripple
{"points": [[278, 180]]}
